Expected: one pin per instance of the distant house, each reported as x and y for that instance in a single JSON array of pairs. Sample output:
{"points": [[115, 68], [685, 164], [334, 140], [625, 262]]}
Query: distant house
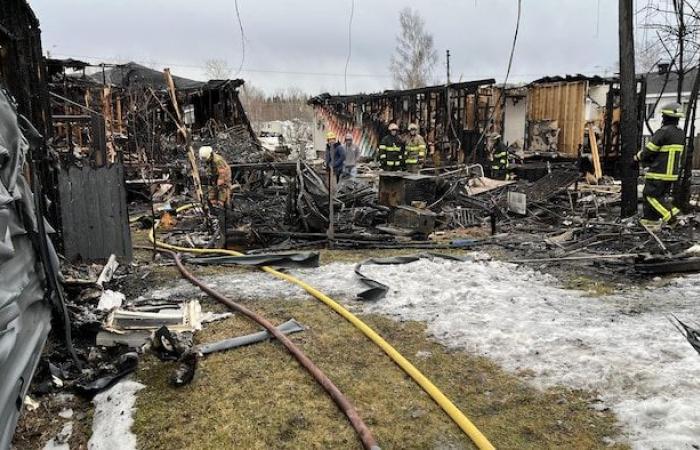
{"points": [[657, 91]]}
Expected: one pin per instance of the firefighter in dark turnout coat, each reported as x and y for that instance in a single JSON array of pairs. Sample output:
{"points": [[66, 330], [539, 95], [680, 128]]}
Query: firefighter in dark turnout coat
{"points": [[391, 150], [663, 156]]}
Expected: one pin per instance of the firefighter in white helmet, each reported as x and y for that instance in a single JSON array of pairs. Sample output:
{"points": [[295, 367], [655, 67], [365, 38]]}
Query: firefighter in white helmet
{"points": [[390, 152], [219, 191]]}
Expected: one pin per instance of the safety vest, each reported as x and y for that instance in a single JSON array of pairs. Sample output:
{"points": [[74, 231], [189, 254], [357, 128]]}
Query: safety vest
{"points": [[663, 153], [415, 150], [500, 157], [390, 152]]}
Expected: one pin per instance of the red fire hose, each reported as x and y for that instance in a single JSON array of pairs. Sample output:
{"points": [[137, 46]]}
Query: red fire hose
{"points": [[343, 403]]}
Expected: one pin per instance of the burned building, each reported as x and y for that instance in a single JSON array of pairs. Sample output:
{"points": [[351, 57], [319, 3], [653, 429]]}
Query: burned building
{"points": [[119, 123], [28, 263], [452, 118], [559, 118]]}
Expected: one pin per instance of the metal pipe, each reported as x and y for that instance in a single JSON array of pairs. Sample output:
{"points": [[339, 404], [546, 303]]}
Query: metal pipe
{"points": [[343, 403]]}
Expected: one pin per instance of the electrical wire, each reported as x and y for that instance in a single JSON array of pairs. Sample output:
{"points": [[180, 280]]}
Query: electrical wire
{"points": [[589, 71], [240, 25], [505, 81], [347, 61]]}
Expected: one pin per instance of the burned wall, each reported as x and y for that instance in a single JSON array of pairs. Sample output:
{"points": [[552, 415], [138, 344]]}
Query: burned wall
{"points": [[451, 118]]}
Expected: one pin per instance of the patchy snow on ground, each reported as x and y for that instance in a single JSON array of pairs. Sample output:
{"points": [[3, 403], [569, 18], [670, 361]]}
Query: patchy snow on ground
{"points": [[113, 417], [621, 346]]}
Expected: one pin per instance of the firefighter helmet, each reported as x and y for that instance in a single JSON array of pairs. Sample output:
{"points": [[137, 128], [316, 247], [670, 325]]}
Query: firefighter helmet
{"points": [[205, 152], [393, 126], [673, 109], [330, 136], [348, 137], [412, 126]]}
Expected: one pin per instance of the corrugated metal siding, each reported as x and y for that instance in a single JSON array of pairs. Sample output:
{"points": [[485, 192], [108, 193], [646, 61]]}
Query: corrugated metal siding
{"points": [[564, 102], [94, 213], [24, 313]]}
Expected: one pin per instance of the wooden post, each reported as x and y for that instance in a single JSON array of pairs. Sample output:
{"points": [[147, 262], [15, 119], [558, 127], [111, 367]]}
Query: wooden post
{"points": [[331, 197], [198, 193], [597, 170], [628, 123]]}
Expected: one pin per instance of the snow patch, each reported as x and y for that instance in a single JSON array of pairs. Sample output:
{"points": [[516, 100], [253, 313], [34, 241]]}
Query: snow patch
{"points": [[111, 426], [60, 441], [621, 346]]}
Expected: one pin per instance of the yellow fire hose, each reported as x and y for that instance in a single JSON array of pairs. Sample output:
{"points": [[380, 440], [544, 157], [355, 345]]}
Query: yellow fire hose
{"points": [[455, 414]]}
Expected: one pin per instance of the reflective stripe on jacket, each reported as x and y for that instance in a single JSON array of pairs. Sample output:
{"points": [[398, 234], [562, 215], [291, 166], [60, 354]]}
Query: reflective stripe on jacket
{"points": [[390, 151], [663, 153], [500, 157], [415, 149]]}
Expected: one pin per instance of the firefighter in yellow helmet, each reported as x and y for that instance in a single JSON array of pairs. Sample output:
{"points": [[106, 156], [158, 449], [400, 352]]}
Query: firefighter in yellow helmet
{"points": [[415, 149], [663, 156], [390, 152], [219, 192], [335, 155]]}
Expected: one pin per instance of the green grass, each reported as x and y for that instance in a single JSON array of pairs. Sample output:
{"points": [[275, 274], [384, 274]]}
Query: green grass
{"points": [[259, 397]]}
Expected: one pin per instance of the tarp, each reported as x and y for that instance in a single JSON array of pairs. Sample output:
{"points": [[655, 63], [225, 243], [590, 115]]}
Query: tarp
{"points": [[378, 290], [24, 312], [284, 259]]}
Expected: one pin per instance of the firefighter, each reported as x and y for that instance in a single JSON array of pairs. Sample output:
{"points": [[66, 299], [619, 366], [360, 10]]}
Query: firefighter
{"points": [[335, 155], [219, 192], [663, 156], [352, 155], [415, 149], [391, 150], [499, 164]]}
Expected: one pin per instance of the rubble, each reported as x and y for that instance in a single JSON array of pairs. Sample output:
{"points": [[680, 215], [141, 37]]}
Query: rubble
{"points": [[109, 154]]}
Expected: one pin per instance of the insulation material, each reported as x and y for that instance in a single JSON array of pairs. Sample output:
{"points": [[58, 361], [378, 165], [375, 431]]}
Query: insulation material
{"points": [[563, 103]]}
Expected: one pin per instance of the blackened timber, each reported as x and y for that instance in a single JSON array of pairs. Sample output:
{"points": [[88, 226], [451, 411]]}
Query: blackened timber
{"points": [[628, 91], [361, 98], [298, 235]]}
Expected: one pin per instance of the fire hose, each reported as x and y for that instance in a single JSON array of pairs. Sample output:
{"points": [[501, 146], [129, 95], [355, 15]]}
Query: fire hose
{"points": [[343, 403], [441, 399]]}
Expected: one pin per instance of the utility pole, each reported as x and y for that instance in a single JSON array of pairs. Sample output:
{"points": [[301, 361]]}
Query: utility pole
{"points": [[628, 93], [448, 66]]}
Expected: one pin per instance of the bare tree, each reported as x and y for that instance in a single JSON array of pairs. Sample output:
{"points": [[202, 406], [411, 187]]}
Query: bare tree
{"points": [[415, 54], [670, 33], [217, 69]]}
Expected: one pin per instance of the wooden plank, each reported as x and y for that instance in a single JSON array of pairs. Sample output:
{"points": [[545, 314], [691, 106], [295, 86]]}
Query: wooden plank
{"points": [[94, 213], [563, 145], [199, 194], [597, 171]]}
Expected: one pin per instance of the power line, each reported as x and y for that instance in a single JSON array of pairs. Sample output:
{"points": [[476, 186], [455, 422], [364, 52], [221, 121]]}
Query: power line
{"points": [[193, 66], [584, 71], [347, 61], [512, 48], [240, 25], [505, 81]]}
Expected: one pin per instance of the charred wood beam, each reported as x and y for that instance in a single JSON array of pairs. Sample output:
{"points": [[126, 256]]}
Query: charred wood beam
{"points": [[351, 236]]}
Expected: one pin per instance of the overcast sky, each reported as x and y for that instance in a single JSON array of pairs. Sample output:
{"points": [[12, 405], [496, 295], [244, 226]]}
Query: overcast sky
{"points": [[304, 43]]}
